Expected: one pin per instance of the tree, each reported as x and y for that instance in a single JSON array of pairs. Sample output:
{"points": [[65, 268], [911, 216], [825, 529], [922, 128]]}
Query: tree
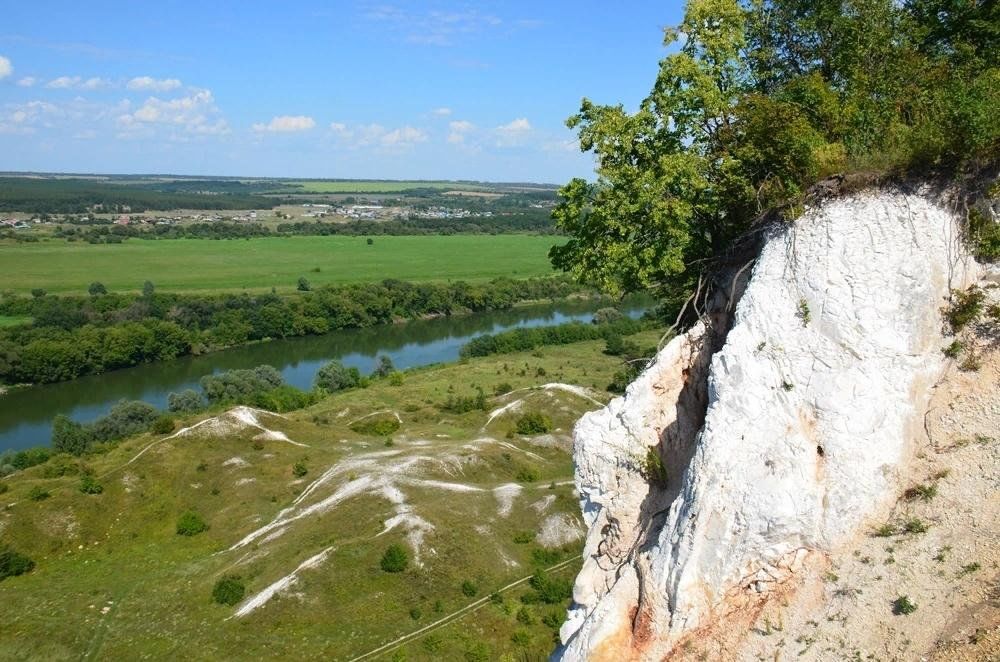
{"points": [[69, 436], [304, 285], [191, 524], [186, 401], [97, 289], [383, 366], [38, 293], [335, 376], [395, 559], [13, 563], [147, 289]]}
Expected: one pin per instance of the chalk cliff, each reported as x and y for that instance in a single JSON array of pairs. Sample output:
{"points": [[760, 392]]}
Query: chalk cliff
{"points": [[768, 434]]}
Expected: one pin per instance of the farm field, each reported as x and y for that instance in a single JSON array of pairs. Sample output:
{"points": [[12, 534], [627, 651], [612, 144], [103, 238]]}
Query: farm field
{"points": [[476, 505], [260, 264]]}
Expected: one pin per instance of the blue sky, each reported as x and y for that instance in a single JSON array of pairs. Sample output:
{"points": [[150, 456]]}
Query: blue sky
{"points": [[317, 89]]}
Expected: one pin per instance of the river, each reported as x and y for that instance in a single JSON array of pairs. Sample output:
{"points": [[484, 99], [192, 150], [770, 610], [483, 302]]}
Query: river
{"points": [[26, 414]]}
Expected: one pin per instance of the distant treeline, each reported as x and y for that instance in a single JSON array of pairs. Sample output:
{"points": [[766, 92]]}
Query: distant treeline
{"points": [[77, 196], [74, 336]]}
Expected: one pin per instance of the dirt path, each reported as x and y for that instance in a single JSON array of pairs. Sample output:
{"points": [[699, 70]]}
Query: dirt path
{"points": [[450, 618]]}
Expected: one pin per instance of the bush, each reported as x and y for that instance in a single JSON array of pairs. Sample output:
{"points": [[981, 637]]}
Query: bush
{"points": [[965, 307], [469, 589], [162, 425], [534, 422], [383, 366], [303, 285], [396, 379], [241, 386], [229, 590], [299, 470], [4, 488], [13, 564], [38, 493], [26, 458], [334, 376], [187, 400], [191, 524], [69, 436], [526, 475], [376, 426], [502, 388], [395, 559], [284, 398], [89, 485], [903, 606], [607, 315], [125, 419], [551, 590], [465, 403]]}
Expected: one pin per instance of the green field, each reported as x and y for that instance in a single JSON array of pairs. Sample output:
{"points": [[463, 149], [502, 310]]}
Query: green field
{"points": [[113, 579], [260, 264], [381, 186], [13, 320]]}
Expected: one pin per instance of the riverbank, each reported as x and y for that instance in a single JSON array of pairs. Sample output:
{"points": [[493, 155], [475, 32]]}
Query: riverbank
{"points": [[26, 414]]}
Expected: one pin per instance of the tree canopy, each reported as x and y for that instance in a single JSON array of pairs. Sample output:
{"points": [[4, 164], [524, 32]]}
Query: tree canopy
{"points": [[759, 99]]}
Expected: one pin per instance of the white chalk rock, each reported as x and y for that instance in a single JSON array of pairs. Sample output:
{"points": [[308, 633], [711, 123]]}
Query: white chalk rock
{"points": [[784, 441]]}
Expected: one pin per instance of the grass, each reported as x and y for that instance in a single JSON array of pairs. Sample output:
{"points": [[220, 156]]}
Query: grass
{"points": [[113, 579], [13, 320], [259, 264]]}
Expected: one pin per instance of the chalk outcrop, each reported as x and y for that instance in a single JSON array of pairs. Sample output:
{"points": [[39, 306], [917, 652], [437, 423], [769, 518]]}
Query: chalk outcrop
{"points": [[769, 433]]}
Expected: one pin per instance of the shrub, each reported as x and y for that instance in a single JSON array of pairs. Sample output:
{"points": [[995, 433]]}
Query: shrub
{"points": [[162, 425], [534, 422], [415, 613], [96, 289], [607, 315], [13, 563], [383, 366], [69, 436], [191, 524], [38, 493], [376, 426], [27, 458], [525, 617], [89, 485], [284, 398], [396, 379], [965, 307], [4, 487], [954, 349], [551, 590], [299, 470], [335, 376], [903, 606], [469, 589], [615, 345], [395, 559], [303, 285], [652, 467], [186, 401], [915, 525], [125, 419], [502, 388], [922, 492], [464, 403], [241, 385], [229, 590], [526, 475], [523, 537]]}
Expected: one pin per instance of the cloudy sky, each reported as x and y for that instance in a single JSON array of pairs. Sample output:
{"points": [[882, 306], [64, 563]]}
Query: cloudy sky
{"points": [[317, 89]]}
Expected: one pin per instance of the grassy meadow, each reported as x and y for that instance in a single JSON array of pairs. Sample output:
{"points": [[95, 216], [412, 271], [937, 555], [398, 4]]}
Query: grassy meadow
{"points": [[262, 263], [469, 498]]}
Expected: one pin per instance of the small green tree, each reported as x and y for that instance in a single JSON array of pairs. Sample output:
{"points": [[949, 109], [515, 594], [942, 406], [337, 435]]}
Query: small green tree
{"points": [[97, 289], [303, 284], [469, 589], [299, 470], [148, 289], [534, 422], [89, 485], [38, 293], [162, 425], [229, 590], [395, 559], [383, 366], [13, 563], [335, 376]]}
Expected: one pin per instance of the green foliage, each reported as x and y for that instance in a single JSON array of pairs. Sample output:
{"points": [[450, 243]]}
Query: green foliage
{"points": [[229, 590], [415, 613], [761, 100], [284, 398], [38, 493], [303, 285], [162, 425], [469, 589], [465, 403], [903, 606], [191, 524], [24, 459], [545, 557], [503, 388], [965, 307], [383, 367], [97, 289], [396, 378], [524, 537], [299, 470], [615, 345], [984, 235], [525, 616], [953, 349], [526, 475], [915, 525], [395, 559], [551, 590], [89, 485], [240, 386], [652, 466], [334, 376], [187, 400], [534, 422], [13, 563], [607, 316], [376, 426], [69, 436]]}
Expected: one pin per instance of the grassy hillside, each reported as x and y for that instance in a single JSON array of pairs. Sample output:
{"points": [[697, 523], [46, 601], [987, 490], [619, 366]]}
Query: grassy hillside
{"points": [[381, 186], [259, 264], [476, 506]]}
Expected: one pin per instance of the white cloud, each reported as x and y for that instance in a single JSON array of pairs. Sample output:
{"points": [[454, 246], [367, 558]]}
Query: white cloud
{"points": [[287, 124], [441, 112], [76, 82], [516, 126], [513, 133], [196, 114], [403, 137], [6, 68], [153, 84], [458, 130], [435, 28], [27, 81]]}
